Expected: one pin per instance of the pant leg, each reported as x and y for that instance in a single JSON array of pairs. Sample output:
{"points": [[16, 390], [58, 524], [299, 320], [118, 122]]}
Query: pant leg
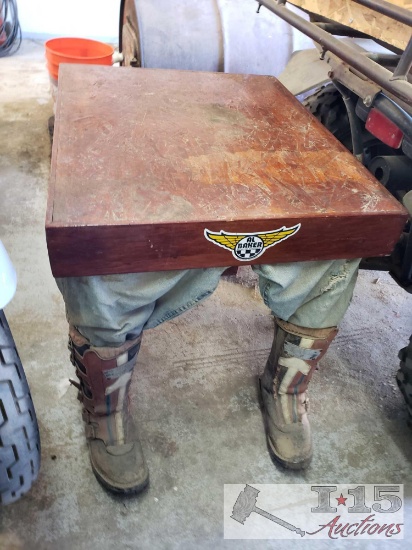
{"points": [[107, 310], [309, 294]]}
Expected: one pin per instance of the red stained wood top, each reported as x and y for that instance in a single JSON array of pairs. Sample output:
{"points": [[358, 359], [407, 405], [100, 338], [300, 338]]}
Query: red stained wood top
{"points": [[152, 155]]}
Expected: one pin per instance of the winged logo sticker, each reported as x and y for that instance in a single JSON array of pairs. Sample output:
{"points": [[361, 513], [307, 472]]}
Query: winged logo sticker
{"points": [[248, 246]]}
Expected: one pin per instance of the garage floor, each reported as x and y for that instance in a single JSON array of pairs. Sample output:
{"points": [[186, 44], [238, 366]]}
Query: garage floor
{"points": [[194, 392]]}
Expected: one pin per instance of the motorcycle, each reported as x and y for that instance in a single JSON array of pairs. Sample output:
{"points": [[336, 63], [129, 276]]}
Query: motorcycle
{"points": [[19, 432]]}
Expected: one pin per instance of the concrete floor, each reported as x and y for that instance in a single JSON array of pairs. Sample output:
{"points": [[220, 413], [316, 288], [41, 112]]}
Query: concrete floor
{"points": [[194, 392]]}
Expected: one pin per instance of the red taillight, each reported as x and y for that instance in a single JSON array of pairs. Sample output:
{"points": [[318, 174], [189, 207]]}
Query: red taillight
{"points": [[3, 36], [384, 129]]}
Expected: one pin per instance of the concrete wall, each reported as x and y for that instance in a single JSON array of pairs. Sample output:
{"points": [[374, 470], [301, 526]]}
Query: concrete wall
{"points": [[97, 19]]}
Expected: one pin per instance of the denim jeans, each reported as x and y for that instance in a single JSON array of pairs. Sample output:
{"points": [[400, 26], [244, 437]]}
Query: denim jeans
{"points": [[110, 309]]}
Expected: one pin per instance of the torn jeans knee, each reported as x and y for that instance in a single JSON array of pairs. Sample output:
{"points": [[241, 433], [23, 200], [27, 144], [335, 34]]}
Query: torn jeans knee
{"points": [[309, 294]]}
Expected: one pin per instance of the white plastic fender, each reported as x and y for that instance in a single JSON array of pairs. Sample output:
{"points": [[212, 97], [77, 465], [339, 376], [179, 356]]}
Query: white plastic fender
{"points": [[211, 35], [8, 278]]}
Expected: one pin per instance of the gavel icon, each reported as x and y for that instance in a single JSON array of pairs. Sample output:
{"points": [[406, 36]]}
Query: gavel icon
{"points": [[246, 504]]}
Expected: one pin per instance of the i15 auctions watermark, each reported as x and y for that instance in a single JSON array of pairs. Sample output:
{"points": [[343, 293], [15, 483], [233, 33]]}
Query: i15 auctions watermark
{"points": [[314, 511]]}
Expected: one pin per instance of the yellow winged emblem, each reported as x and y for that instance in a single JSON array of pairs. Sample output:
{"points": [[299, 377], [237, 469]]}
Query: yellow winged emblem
{"points": [[248, 246]]}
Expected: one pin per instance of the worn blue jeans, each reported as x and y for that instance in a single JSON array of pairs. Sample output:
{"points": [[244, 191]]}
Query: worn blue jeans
{"points": [[110, 309]]}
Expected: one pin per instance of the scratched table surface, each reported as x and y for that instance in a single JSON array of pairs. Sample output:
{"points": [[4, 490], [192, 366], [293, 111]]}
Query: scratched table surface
{"points": [[159, 169]]}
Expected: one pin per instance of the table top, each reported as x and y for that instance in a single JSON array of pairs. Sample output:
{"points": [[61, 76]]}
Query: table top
{"points": [[181, 150]]}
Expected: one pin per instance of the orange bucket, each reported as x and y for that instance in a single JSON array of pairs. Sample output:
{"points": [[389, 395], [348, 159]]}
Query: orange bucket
{"points": [[76, 50]]}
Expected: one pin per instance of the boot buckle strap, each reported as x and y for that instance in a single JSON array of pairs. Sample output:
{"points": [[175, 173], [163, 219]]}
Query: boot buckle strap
{"points": [[91, 428], [70, 347], [75, 384], [120, 370], [90, 431], [307, 354]]}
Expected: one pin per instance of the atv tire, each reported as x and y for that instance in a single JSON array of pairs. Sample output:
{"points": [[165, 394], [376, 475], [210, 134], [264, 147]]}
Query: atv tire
{"points": [[327, 105], [404, 377], [19, 432]]}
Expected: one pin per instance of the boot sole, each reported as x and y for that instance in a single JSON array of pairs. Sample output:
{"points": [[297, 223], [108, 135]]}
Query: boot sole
{"points": [[120, 490], [276, 459]]}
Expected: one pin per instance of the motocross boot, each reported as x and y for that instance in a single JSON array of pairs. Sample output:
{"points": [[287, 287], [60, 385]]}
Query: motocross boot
{"points": [[105, 373], [294, 356]]}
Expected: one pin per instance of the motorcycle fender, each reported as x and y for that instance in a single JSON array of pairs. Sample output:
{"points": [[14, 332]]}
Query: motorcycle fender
{"points": [[304, 72], [8, 278]]}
